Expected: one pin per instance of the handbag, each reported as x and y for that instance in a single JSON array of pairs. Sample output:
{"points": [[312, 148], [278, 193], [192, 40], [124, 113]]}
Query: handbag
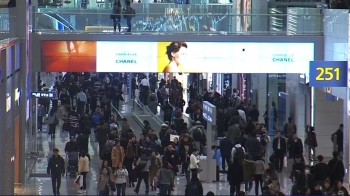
{"points": [[111, 185], [285, 161], [78, 181]]}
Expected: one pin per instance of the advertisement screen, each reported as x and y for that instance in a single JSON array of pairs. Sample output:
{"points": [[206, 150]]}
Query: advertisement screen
{"points": [[72, 56], [177, 57]]}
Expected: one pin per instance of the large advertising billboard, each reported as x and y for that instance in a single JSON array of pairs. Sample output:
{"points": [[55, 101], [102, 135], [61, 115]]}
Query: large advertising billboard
{"points": [[185, 57]]}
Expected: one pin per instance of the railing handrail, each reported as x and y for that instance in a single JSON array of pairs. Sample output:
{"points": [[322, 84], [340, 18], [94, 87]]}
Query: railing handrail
{"points": [[149, 112], [119, 113], [190, 14]]}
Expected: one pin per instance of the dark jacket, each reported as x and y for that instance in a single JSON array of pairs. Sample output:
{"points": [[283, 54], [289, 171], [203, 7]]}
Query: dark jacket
{"points": [[283, 145], [235, 173], [233, 132], [174, 161], [311, 139], [102, 133], [199, 188], [252, 145], [56, 165], [336, 167], [295, 147], [225, 147], [254, 114], [321, 172], [71, 147]]}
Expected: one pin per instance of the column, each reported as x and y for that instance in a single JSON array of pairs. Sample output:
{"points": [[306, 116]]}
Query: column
{"points": [[19, 27], [328, 117], [3, 123], [234, 82], [259, 84], [346, 137], [299, 95], [259, 20]]}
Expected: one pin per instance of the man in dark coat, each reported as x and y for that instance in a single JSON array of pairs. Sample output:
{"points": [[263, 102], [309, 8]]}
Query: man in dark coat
{"points": [[337, 169]]}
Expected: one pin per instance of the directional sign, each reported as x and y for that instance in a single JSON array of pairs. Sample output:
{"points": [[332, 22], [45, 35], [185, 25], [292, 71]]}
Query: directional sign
{"points": [[43, 94]]}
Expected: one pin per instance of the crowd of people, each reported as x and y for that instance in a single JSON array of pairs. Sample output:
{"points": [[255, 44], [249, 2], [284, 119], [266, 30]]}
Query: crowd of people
{"points": [[155, 157]]}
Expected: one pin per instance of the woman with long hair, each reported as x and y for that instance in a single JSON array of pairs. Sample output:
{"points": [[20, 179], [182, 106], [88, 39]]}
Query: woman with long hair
{"points": [[269, 174], [153, 169], [83, 169], [128, 162], [105, 165], [103, 182], [121, 179]]}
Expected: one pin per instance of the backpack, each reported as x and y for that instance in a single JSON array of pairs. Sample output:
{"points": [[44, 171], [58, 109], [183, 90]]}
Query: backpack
{"points": [[152, 98], [109, 146], [178, 113], [192, 189], [290, 129], [197, 135], [239, 153]]}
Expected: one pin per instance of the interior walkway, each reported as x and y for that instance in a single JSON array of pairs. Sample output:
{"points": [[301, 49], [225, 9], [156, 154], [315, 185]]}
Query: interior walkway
{"points": [[42, 185]]}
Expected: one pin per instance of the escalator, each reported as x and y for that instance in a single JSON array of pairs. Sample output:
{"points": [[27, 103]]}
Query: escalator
{"points": [[53, 21], [134, 125], [142, 112]]}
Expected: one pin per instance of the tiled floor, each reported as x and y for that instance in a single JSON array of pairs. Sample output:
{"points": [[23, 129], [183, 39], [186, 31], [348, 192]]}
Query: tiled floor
{"points": [[42, 185]]}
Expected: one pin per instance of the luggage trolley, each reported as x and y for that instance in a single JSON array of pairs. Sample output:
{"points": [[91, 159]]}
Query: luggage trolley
{"points": [[72, 159]]}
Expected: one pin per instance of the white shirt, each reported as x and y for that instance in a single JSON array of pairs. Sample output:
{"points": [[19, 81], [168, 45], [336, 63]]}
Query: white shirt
{"points": [[144, 82], [121, 175], [242, 114], [193, 162], [279, 143]]}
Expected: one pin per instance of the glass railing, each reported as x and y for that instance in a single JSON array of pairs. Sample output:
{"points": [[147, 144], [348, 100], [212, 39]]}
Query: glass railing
{"points": [[176, 19], [140, 109]]}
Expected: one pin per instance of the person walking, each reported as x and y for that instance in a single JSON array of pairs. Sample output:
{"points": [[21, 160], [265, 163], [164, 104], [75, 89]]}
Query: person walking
{"points": [[56, 167], [142, 169], [83, 169], [121, 176], [52, 121], [279, 147], [164, 178], [153, 169], [117, 155], [235, 176]]}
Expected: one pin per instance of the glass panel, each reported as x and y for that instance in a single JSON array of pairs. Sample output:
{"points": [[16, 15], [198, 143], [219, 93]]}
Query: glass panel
{"points": [[178, 18]]}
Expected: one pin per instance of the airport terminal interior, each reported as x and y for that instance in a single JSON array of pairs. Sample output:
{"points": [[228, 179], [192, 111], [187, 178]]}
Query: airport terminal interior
{"points": [[270, 77]]}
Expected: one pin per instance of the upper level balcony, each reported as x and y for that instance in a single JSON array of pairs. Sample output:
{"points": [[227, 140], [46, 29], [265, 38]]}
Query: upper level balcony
{"points": [[164, 18]]}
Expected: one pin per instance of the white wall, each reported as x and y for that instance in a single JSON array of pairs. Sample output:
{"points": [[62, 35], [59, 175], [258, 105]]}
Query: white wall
{"points": [[336, 30], [328, 116]]}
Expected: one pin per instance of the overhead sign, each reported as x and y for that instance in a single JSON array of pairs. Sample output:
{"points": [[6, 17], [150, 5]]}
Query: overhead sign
{"points": [[328, 73], [43, 94], [209, 112]]}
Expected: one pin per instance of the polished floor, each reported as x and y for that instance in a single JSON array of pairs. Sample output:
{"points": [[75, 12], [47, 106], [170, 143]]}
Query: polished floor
{"points": [[40, 183]]}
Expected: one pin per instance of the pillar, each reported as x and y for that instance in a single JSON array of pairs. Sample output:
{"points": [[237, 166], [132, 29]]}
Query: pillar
{"points": [[259, 84], [259, 20], [299, 96], [3, 123], [20, 28]]}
